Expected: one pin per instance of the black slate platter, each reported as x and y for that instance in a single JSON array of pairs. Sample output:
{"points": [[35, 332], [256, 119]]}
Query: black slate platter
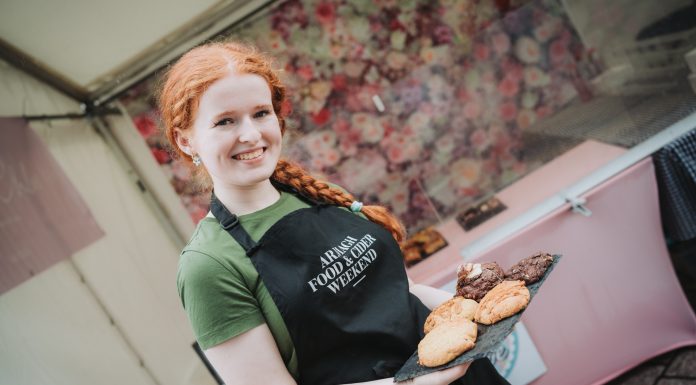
{"points": [[489, 336]]}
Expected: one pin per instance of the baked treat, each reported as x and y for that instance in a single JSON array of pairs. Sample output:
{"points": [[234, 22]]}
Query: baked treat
{"points": [[421, 245], [451, 310], [433, 241], [504, 300], [447, 341], [474, 280], [530, 269], [412, 255]]}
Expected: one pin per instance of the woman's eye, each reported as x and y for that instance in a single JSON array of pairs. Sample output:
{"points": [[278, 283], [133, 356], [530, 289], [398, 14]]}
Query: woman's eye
{"points": [[261, 113], [224, 122]]}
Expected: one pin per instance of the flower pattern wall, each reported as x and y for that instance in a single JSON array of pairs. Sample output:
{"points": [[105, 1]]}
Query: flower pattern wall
{"points": [[459, 80]]}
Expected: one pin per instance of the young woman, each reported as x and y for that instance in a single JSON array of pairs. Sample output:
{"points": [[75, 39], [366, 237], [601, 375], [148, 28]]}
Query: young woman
{"points": [[288, 279]]}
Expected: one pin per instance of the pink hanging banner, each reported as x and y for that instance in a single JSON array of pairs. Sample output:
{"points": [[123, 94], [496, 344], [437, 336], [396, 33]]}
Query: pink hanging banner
{"points": [[43, 219]]}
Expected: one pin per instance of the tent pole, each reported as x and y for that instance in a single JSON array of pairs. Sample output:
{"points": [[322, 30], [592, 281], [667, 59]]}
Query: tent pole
{"points": [[104, 130], [90, 112]]}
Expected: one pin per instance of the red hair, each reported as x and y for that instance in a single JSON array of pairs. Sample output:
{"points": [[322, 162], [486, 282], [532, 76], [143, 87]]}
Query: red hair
{"points": [[198, 69]]}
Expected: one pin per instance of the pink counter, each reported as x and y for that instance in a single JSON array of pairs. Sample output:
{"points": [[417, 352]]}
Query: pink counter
{"points": [[519, 197], [613, 300]]}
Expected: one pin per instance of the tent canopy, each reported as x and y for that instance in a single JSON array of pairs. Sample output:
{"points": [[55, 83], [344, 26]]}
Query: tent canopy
{"points": [[92, 49]]}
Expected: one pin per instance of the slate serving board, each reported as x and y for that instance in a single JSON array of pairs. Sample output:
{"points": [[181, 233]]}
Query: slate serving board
{"points": [[489, 336]]}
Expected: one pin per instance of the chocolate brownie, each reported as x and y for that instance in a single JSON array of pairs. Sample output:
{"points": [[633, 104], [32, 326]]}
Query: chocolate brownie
{"points": [[474, 280], [530, 269]]}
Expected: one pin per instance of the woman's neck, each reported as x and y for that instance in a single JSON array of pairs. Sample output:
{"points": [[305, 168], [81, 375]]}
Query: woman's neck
{"points": [[248, 199]]}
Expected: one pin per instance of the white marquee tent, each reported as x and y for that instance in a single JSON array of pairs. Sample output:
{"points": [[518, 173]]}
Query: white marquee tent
{"points": [[110, 313]]}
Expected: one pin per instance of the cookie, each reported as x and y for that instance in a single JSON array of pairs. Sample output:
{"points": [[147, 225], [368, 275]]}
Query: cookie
{"points": [[530, 269], [451, 310], [474, 280], [446, 342], [504, 300]]}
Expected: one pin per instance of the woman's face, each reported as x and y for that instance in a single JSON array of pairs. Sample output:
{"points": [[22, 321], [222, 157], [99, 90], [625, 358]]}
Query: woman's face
{"points": [[235, 132]]}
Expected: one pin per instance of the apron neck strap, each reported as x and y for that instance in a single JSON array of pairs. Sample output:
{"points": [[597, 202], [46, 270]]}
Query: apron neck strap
{"points": [[230, 223]]}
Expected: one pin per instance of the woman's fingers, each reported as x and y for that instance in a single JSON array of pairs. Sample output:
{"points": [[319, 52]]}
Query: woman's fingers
{"points": [[442, 377]]}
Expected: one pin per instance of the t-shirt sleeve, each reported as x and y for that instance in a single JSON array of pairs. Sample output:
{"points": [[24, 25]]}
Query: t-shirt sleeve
{"points": [[217, 300]]}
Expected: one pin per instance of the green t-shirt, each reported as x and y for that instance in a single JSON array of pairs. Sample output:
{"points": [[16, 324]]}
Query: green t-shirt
{"points": [[221, 290]]}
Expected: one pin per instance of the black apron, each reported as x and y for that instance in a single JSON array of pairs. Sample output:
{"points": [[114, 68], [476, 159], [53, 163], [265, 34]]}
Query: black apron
{"points": [[340, 285]]}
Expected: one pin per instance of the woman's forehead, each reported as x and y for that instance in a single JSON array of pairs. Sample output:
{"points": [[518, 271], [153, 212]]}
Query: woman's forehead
{"points": [[238, 89]]}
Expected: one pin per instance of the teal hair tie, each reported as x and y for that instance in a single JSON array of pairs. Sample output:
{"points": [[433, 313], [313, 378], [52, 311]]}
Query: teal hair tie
{"points": [[356, 206]]}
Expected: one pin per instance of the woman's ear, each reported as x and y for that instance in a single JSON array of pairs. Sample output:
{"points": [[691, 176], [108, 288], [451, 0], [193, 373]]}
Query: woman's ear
{"points": [[183, 142]]}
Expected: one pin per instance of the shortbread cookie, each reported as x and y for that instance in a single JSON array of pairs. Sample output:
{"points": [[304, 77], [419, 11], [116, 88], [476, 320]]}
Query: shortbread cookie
{"points": [[530, 269], [504, 300], [447, 341], [451, 310], [474, 280]]}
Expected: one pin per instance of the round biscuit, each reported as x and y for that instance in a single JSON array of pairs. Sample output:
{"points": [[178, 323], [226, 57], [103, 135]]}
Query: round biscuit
{"points": [[504, 300], [447, 341], [453, 309]]}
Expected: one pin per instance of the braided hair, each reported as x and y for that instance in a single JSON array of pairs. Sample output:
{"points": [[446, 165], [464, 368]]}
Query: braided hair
{"points": [[198, 69]]}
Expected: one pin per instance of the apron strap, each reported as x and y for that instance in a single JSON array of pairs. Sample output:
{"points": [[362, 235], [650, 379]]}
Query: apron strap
{"points": [[230, 223]]}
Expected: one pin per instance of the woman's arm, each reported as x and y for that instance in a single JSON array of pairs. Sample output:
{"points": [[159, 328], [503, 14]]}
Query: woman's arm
{"points": [[430, 296], [252, 358]]}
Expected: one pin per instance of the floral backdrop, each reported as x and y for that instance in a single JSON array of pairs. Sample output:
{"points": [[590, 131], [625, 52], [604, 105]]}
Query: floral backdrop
{"points": [[418, 105]]}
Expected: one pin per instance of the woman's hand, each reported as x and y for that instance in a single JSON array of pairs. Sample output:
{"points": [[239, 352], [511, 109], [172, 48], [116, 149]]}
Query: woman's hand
{"points": [[442, 377]]}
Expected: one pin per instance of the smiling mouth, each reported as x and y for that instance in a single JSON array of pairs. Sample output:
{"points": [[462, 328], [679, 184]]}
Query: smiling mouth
{"points": [[250, 155]]}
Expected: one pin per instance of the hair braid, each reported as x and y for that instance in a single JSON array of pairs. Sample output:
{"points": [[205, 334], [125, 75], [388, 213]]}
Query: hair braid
{"points": [[293, 175]]}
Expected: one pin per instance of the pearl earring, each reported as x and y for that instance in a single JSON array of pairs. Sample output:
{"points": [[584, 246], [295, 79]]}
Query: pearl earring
{"points": [[196, 160]]}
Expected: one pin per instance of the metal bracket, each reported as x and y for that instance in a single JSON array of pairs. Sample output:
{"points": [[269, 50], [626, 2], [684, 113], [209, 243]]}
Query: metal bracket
{"points": [[578, 205]]}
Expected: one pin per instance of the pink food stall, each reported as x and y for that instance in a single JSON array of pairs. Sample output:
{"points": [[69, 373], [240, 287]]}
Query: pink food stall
{"points": [[614, 300]]}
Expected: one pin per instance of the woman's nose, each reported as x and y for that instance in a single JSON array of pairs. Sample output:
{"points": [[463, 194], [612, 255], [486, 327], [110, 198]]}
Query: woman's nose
{"points": [[249, 133]]}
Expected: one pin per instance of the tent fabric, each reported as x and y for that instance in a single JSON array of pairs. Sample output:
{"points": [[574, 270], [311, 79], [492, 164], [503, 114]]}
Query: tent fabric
{"points": [[44, 219]]}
